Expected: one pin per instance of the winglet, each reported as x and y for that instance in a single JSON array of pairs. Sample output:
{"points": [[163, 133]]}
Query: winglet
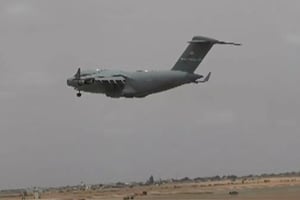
{"points": [[77, 75]]}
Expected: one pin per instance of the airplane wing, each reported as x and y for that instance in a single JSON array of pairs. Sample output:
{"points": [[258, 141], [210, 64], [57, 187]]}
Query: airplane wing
{"points": [[107, 82], [114, 80], [111, 84]]}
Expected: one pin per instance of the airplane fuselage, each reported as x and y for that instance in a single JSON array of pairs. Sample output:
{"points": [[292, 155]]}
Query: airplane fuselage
{"points": [[135, 84]]}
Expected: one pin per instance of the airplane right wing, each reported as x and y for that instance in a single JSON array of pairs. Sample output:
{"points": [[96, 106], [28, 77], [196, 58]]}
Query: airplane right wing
{"points": [[111, 84], [119, 80]]}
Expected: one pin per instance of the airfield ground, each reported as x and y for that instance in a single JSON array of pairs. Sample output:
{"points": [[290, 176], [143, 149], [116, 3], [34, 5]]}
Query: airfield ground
{"points": [[255, 189]]}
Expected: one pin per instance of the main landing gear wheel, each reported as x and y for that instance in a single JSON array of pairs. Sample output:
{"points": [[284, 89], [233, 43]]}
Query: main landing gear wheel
{"points": [[78, 94]]}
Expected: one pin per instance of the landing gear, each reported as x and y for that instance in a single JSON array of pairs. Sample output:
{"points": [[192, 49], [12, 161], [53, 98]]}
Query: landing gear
{"points": [[78, 94]]}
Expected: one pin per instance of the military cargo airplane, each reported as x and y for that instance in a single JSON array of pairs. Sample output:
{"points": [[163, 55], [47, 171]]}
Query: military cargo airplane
{"points": [[143, 82]]}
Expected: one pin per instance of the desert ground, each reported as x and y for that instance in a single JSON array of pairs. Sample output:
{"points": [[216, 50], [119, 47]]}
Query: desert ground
{"points": [[255, 189]]}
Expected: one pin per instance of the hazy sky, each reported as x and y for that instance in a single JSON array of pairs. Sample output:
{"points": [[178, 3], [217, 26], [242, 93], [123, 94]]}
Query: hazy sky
{"points": [[245, 120]]}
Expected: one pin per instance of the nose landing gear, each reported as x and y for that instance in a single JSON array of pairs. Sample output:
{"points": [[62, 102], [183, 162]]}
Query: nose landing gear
{"points": [[78, 94]]}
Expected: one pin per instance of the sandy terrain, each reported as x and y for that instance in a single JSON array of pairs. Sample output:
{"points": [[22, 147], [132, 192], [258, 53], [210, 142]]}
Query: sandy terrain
{"points": [[256, 189]]}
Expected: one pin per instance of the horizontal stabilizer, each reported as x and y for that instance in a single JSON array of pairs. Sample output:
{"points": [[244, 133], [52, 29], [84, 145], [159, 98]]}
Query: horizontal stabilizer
{"points": [[205, 79], [230, 43], [201, 39]]}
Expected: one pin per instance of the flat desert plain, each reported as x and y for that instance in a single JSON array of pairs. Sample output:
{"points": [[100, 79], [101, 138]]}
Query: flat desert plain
{"points": [[254, 189]]}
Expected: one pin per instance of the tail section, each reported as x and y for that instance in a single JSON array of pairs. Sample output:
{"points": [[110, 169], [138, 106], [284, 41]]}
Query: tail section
{"points": [[195, 53]]}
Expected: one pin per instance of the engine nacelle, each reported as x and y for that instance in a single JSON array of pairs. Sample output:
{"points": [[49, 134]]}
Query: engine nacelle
{"points": [[89, 81], [80, 82]]}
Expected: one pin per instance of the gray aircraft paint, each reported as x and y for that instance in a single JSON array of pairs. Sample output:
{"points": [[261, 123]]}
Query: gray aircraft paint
{"points": [[143, 82]]}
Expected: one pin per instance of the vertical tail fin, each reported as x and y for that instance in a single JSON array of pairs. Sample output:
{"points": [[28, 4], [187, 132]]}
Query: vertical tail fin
{"points": [[195, 53]]}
